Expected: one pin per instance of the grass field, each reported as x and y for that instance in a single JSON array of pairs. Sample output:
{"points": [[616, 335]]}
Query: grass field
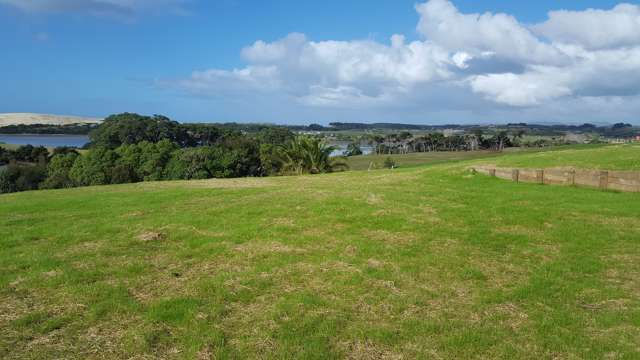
{"points": [[414, 159], [509, 155], [9, 146], [610, 157], [420, 262]]}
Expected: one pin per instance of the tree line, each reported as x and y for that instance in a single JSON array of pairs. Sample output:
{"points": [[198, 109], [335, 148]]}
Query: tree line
{"points": [[405, 142], [44, 129], [128, 148]]}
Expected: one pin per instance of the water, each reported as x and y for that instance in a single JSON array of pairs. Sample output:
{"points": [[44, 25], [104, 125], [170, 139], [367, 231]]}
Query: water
{"points": [[341, 148], [80, 140], [45, 140]]}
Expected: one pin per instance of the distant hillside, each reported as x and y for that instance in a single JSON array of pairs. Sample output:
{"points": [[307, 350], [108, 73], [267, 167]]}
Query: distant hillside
{"points": [[44, 119]]}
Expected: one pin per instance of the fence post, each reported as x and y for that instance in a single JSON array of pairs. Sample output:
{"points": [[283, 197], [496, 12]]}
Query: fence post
{"points": [[515, 175], [604, 179], [492, 172], [571, 177], [540, 176]]}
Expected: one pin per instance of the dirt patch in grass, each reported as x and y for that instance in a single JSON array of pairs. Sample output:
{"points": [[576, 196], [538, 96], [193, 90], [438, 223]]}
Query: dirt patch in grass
{"points": [[239, 183], [367, 350], [151, 236], [508, 314], [255, 249], [286, 222], [374, 199], [133, 214]]}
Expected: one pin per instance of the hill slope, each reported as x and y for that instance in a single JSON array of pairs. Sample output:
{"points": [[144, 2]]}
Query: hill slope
{"points": [[427, 262], [44, 119], [610, 157]]}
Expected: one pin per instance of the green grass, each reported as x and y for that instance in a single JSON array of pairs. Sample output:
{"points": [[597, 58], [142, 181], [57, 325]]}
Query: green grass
{"points": [[611, 157], [9, 146], [414, 159], [373, 161], [422, 262]]}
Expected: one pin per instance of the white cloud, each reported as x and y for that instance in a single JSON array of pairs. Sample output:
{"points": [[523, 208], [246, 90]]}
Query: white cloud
{"points": [[331, 72], [97, 7], [485, 63], [594, 28], [593, 74], [531, 88], [500, 34]]}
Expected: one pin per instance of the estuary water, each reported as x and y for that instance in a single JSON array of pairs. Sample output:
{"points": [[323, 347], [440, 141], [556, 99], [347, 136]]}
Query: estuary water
{"points": [[45, 140]]}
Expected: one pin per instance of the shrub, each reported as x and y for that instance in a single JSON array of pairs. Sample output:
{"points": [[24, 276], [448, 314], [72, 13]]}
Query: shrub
{"points": [[389, 163], [21, 178], [58, 171]]}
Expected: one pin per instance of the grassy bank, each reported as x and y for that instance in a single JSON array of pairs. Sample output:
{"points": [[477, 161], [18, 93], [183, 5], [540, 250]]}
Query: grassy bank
{"points": [[422, 262], [365, 162], [373, 161], [610, 157]]}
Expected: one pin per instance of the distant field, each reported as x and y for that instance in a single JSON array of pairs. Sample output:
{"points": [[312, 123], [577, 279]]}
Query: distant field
{"points": [[414, 159], [611, 157], [8, 146], [420, 262], [431, 158]]}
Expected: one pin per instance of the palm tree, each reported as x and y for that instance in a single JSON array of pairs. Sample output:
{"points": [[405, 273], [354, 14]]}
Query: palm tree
{"points": [[308, 155]]}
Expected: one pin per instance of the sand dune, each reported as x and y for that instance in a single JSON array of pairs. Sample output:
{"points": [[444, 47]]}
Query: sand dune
{"points": [[46, 119]]}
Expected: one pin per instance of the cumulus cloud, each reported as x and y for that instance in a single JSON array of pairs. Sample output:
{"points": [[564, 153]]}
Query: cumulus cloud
{"points": [[487, 61], [499, 34], [594, 28], [332, 72], [96, 7]]}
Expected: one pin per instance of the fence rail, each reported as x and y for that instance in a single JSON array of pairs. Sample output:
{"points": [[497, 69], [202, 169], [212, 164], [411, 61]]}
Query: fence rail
{"points": [[628, 181]]}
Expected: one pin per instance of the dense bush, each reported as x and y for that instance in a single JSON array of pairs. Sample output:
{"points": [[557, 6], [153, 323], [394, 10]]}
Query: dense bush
{"points": [[147, 160], [129, 148], [58, 171], [127, 128], [29, 153], [21, 178], [94, 168], [271, 140], [212, 162]]}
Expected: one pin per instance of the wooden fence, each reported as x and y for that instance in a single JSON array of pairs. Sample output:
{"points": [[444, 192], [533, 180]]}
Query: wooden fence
{"points": [[628, 181]]}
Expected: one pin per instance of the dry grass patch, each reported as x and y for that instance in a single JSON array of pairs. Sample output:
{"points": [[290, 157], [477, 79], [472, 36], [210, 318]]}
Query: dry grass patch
{"points": [[151, 236], [374, 199], [282, 221], [390, 238], [624, 272], [255, 249], [520, 230], [367, 350]]}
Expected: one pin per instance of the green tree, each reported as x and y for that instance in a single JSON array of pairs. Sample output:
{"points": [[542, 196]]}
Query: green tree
{"points": [[353, 149], [212, 162], [147, 160], [58, 171], [127, 128], [94, 168], [307, 155], [21, 178]]}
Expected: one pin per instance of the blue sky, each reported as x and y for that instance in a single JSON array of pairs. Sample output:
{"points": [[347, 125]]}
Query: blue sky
{"points": [[177, 58]]}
